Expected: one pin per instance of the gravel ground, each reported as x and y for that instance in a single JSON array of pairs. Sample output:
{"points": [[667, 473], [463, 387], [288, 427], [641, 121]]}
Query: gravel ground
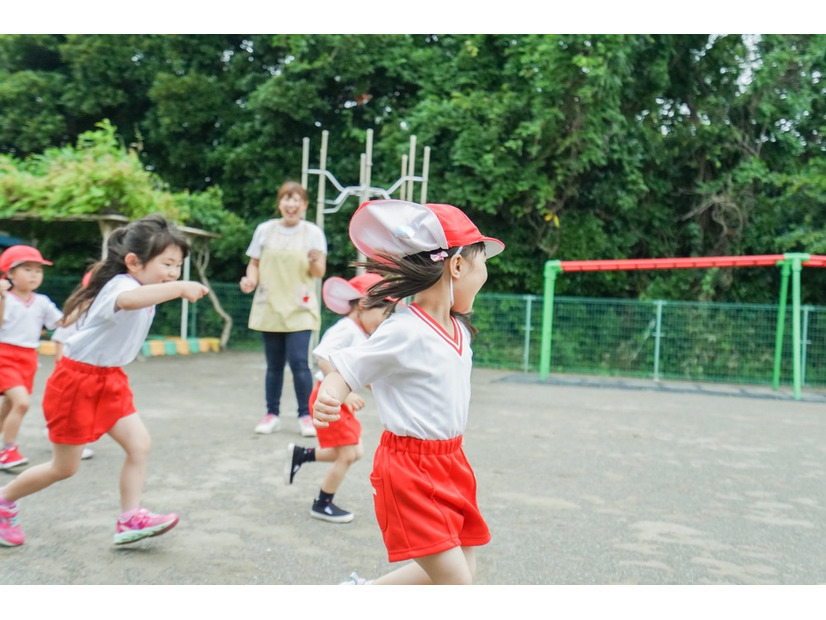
{"points": [[580, 484]]}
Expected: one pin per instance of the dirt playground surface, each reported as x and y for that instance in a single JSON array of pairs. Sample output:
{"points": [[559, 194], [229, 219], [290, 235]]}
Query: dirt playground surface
{"points": [[580, 484]]}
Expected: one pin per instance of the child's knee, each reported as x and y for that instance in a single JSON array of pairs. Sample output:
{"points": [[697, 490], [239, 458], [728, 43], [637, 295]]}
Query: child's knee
{"points": [[63, 470], [350, 454], [139, 447]]}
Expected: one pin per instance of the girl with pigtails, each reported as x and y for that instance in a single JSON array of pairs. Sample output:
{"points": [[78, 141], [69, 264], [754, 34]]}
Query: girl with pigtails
{"points": [[88, 393]]}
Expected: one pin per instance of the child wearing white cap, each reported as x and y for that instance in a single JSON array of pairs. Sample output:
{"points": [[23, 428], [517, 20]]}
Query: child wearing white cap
{"points": [[23, 315], [418, 364], [340, 443]]}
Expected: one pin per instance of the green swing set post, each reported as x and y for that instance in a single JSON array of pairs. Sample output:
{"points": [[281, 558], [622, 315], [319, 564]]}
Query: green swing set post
{"points": [[785, 269], [552, 268], [792, 264]]}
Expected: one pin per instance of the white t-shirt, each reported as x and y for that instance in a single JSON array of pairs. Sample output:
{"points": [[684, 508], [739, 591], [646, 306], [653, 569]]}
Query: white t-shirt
{"points": [[61, 334], [23, 321], [342, 334], [420, 376], [108, 336], [314, 235]]}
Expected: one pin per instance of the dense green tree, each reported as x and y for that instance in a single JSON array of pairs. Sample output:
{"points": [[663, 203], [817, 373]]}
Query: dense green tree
{"points": [[567, 146]]}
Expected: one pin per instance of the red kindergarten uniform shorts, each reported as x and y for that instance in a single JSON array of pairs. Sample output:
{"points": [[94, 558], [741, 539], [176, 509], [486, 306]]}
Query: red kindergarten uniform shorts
{"points": [[424, 493], [18, 366], [82, 402], [346, 431]]}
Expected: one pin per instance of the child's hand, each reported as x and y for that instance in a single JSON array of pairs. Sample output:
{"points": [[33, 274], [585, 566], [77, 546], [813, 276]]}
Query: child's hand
{"points": [[4, 286], [326, 409], [193, 291], [354, 401]]}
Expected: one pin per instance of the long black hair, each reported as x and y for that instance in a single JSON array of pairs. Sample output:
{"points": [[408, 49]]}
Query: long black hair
{"points": [[404, 277], [146, 238]]}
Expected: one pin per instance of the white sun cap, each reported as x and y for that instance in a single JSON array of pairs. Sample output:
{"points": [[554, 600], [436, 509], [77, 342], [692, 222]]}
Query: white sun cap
{"points": [[396, 227]]}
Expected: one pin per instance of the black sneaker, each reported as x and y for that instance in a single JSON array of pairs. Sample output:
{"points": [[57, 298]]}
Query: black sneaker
{"points": [[330, 512], [292, 463]]}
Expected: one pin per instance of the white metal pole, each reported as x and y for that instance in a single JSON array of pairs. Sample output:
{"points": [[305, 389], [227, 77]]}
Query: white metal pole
{"points": [[322, 165], [185, 305], [425, 172], [411, 167], [403, 187], [305, 161]]}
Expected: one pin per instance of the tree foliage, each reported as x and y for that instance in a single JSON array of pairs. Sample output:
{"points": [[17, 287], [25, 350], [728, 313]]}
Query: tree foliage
{"points": [[566, 146]]}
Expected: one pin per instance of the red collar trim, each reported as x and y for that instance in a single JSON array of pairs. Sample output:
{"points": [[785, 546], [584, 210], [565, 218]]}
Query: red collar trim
{"points": [[456, 341], [26, 302]]}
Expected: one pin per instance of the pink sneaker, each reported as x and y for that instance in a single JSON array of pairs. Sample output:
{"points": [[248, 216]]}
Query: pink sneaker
{"points": [[305, 423], [10, 457], [142, 525], [10, 533]]}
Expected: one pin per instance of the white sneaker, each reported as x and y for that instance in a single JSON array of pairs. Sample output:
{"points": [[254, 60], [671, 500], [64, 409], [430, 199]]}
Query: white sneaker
{"points": [[355, 580], [269, 424], [305, 423], [87, 453]]}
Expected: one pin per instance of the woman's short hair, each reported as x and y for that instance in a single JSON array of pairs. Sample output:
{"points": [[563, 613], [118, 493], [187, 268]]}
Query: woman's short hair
{"points": [[291, 187]]}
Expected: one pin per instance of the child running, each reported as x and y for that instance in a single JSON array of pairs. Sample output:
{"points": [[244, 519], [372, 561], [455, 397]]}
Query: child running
{"points": [[340, 443], [418, 363], [23, 315], [88, 393], [59, 337]]}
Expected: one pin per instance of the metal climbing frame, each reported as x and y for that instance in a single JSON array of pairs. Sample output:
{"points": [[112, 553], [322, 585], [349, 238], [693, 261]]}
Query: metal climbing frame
{"points": [[364, 191]]}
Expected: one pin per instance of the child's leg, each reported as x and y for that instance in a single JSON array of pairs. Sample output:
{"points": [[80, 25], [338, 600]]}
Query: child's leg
{"points": [[65, 462], [5, 404], [15, 405], [345, 456], [455, 566], [133, 437]]}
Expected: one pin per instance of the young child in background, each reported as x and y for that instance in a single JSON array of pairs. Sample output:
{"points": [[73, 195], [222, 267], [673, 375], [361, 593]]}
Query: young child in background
{"points": [[23, 315], [340, 443], [60, 335], [418, 364], [88, 393]]}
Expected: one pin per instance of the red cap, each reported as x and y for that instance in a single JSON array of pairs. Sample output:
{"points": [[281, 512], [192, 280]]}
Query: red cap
{"points": [[19, 254], [402, 228], [337, 293]]}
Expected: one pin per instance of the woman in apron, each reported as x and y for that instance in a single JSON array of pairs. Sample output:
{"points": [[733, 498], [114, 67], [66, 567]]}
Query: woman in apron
{"points": [[287, 257]]}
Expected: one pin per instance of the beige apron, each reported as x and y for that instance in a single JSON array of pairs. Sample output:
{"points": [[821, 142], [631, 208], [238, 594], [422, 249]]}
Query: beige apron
{"points": [[285, 300]]}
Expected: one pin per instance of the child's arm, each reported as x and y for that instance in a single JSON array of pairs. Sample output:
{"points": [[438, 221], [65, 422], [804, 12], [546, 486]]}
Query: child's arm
{"points": [[4, 286], [353, 400], [331, 394], [152, 294], [324, 366]]}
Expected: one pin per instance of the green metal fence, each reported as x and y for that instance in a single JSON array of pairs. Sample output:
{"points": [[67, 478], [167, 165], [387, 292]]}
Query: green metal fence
{"points": [[732, 343]]}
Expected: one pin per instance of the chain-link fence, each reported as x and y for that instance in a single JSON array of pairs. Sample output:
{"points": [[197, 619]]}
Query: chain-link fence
{"points": [[656, 339]]}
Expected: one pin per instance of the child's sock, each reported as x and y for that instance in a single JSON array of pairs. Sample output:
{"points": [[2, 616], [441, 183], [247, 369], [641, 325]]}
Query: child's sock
{"points": [[307, 455], [4, 502], [128, 514], [324, 497]]}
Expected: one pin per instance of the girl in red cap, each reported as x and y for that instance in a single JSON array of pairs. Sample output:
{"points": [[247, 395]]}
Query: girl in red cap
{"points": [[341, 442], [418, 364], [88, 394], [23, 315]]}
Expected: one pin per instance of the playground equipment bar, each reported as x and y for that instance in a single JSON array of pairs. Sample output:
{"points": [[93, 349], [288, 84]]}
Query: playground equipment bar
{"points": [[700, 262]]}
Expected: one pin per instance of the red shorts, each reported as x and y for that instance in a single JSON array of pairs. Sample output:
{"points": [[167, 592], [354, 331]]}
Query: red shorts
{"points": [[82, 402], [424, 493], [346, 431], [18, 366]]}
